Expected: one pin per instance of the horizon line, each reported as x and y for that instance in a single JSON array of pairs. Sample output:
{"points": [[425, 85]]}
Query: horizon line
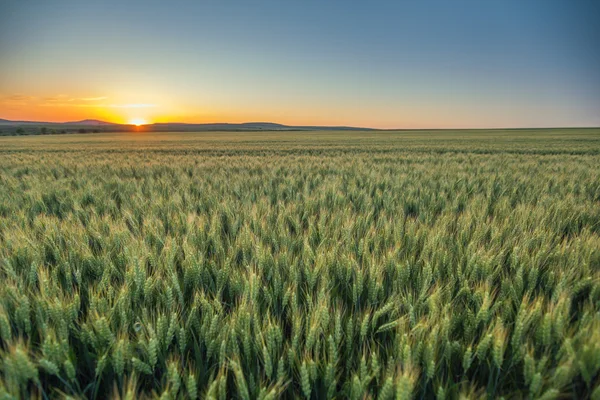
{"points": [[2, 120]]}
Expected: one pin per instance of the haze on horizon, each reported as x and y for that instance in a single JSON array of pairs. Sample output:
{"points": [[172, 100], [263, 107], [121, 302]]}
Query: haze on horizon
{"points": [[381, 64]]}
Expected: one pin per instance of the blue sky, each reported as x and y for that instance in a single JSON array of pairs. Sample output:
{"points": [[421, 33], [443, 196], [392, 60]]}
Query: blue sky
{"points": [[378, 63]]}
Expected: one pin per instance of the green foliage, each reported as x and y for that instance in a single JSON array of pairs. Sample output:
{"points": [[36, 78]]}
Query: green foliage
{"points": [[301, 265]]}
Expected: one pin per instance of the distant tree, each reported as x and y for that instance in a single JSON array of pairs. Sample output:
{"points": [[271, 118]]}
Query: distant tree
{"points": [[53, 132], [20, 131], [81, 130], [95, 130], [44, 130]]}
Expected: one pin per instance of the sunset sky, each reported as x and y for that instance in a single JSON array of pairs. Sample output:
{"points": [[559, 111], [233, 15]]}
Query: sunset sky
{"points": [[387, 64]]}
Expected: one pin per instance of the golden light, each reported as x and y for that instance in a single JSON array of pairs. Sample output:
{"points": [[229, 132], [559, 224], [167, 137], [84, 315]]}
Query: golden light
{"points": [[137, 121]]}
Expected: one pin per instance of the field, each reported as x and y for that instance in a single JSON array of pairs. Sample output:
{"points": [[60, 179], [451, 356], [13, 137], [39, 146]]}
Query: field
{"points": [[301, 265]]}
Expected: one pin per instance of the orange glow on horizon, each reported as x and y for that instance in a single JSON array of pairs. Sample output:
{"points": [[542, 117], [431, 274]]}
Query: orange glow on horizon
{"points": [[145, 109]]}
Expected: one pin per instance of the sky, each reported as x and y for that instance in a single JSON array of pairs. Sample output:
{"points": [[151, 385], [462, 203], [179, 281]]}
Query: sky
{"points": [[382, 64]]}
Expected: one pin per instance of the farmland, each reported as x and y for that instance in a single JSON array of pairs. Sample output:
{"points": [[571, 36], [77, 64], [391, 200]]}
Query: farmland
{"points": [[413, 264]]}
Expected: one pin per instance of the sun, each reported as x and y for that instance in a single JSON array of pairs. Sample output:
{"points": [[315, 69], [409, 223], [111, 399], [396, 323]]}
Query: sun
{"points": [[137, 121]]}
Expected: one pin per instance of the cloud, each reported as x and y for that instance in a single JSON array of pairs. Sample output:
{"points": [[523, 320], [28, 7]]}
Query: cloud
{"points": [[96, 105], [63, 100], [19, 97], [60, 97], [16, 100], [60, 100], [92, 98], [137, 105]]}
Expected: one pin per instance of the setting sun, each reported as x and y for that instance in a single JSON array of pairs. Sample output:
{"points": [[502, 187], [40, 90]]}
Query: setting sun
{"points": [[138, 121]]}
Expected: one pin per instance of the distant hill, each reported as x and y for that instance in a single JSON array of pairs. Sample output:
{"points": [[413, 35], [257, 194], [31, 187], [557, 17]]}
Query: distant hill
{"points": [[8, 122], [177, 126], [246, 126], [93, 122], [93, 125]]}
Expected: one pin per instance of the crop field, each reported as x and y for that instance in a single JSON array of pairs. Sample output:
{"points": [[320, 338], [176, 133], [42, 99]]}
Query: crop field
{"points": [[265, 265]]}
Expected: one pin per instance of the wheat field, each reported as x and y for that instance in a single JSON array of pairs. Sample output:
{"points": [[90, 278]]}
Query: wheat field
{"points": [[316, 265]]}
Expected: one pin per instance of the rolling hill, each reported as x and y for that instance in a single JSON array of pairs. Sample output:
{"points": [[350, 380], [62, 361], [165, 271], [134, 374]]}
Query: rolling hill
{"points": [[8, 127]]}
